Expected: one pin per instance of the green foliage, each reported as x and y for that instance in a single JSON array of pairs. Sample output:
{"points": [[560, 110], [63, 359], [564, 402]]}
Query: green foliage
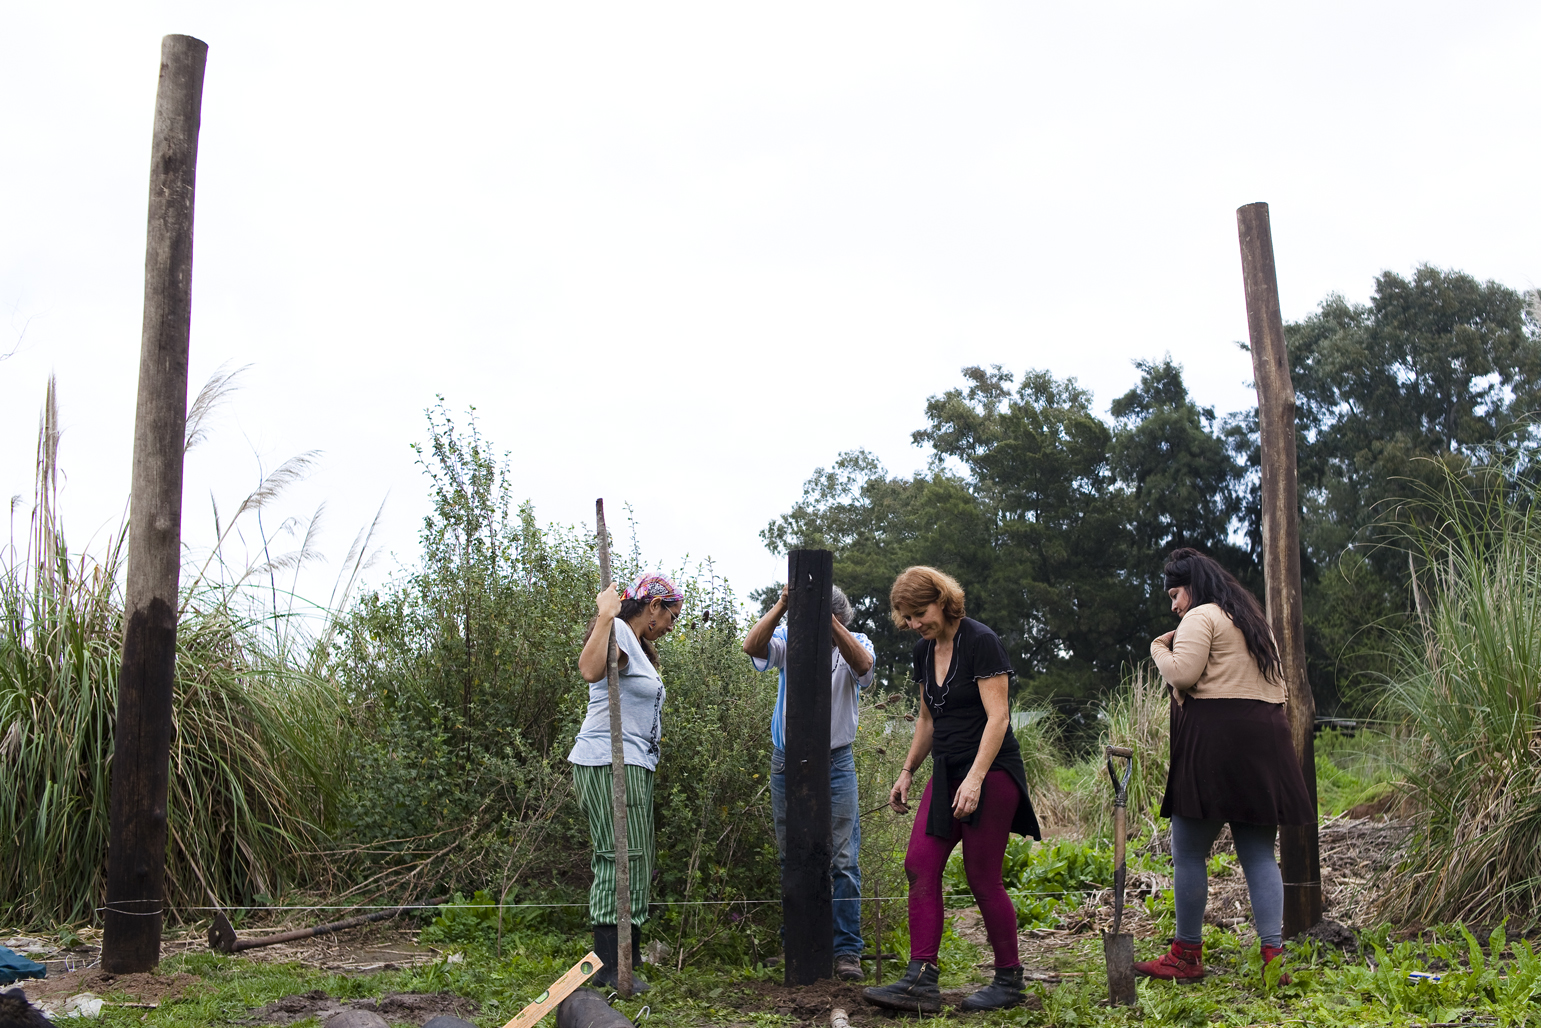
{"points": [[1047, 883], [461, 681], [1481, 982], [1469, 697], [462, 678], [253, 771], [1053, 522], [1056, 521], [1437, 372], [1136, 716], [1351, 770]]}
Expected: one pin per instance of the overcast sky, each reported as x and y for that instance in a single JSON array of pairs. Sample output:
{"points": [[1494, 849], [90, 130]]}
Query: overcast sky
{"points": [[680, 255]]}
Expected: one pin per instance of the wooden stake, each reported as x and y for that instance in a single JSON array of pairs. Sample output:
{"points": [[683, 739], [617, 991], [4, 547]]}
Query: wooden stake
{"points": [[807, 892], [617, 780], [136, 855], [1299, 858]]}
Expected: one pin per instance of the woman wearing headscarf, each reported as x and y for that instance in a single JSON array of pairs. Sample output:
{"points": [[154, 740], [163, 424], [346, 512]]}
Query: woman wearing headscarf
{"points": [[977, 793], [641, 614], [1233, 758]]}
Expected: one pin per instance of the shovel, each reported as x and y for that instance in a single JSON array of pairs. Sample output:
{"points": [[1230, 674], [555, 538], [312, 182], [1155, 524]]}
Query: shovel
{"points": [[1118, 947]]}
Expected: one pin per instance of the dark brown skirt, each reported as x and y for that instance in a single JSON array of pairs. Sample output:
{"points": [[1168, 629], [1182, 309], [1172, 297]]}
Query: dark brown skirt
{"points": [[1233, 760]]}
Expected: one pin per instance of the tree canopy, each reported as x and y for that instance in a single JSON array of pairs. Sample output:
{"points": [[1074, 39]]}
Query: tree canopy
{"points": [[1056, 520]]}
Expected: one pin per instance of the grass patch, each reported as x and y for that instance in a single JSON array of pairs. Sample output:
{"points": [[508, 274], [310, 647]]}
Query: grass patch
{"points": [[1481, 981]]}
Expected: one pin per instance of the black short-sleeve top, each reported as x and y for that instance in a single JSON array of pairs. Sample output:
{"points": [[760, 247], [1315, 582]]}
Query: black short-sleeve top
{"points": [[958, 720]]}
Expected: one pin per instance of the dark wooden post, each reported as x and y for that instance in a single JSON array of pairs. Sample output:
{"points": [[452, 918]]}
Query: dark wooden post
{"points": [[622, 842], [807, 892], [1299, 859], [136, 854]]}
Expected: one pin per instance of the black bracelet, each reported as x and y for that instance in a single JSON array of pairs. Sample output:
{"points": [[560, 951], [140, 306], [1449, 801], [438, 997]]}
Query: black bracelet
{"points": [[909, 771]]}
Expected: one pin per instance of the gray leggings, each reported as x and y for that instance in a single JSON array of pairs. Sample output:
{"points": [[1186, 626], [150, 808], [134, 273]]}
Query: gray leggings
{"points": [[1191, 840]]}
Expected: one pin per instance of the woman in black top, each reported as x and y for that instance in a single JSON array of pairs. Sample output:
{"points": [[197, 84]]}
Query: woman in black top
{"points": [[977, 793]]}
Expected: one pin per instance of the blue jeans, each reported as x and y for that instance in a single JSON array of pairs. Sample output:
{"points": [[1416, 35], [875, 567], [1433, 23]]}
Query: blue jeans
{"points": [[845, 819]]}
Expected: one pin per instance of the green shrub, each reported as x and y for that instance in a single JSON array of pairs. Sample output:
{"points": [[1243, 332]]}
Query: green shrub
{"points": [[462, 680]]}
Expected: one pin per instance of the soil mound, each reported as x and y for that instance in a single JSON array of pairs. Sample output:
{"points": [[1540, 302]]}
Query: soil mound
{"points": [[414, 1007]]}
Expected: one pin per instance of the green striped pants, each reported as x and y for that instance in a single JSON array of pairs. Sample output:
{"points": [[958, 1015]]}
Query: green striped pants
{"points": [[597, 801]]}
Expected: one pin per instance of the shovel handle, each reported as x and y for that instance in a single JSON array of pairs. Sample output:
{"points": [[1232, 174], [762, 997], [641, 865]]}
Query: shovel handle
{"points": [[1120, 786]]}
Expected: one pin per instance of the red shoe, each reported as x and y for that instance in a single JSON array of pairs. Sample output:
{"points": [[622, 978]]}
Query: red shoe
{"points": [[1269, 952], [1184, 962]]}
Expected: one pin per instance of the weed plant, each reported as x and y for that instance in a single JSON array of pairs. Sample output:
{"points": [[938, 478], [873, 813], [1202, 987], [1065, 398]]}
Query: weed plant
{"points": [[253, 757], [1469, 697]]}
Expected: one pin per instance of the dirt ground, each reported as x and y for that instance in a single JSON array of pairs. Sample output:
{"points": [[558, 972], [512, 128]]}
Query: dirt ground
{"points": [[398, 1007], [132, 988], [1352, 850]]}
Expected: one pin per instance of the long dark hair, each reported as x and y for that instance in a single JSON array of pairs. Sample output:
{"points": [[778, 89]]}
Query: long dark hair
{"points": [[1208, 582], [630, 608]]}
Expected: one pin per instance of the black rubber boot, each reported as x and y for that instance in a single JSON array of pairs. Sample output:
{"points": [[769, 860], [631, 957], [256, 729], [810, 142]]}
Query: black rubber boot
{"points": [[606, 948], [1005, 991], [916, 991]]}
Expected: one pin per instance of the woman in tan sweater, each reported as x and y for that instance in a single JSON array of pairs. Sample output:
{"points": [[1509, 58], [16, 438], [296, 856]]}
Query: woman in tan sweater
{"points": [[1233, 759]]}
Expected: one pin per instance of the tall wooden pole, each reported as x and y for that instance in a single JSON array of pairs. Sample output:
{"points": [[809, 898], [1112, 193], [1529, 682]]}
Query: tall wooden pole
{"points": [[136, 853], [1299, 858], [807, 891], [617, 781]]}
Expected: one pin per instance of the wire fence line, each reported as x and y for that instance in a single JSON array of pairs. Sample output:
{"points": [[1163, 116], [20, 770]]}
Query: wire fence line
{"points": [[549, 906]]}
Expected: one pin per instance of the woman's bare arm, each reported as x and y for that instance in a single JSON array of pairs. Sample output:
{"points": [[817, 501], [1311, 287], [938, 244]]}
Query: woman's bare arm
{"points": [[920, 747], [593, 661], [992, 693]]}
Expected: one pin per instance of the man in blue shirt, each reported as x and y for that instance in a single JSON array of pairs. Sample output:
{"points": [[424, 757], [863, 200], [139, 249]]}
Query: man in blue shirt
{"points": [[851, 663]]}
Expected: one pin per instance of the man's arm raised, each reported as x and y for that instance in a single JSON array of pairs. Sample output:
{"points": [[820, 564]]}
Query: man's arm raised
{"points": [[757, 642]]}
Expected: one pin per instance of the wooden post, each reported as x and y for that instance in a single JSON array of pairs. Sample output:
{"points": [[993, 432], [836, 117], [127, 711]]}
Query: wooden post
{"points": [[807, 891], [1299, 858], [617, 781], [136, 854]]}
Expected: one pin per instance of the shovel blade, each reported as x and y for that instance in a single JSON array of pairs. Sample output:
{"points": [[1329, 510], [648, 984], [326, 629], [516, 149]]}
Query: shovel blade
{"points": [[1118, 950]]}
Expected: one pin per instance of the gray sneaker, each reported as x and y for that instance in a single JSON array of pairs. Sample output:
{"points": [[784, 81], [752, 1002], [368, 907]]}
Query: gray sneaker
{"points": [[848, 967]]}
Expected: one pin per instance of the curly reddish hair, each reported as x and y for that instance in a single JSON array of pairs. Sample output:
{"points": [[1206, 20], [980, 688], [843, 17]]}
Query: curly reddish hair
{"points": [[918, 587]]}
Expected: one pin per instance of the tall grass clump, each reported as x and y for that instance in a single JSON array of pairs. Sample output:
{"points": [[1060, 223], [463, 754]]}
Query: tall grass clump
{"points": [[1137, 715], [254, 744], [1468, 695]]}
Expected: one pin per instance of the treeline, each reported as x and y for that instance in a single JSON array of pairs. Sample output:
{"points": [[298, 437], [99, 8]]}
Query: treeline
{"points": [[1057, 520]]}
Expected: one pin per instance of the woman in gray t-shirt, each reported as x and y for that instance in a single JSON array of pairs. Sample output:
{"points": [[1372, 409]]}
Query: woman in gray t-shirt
{"points": [[640, 615]]}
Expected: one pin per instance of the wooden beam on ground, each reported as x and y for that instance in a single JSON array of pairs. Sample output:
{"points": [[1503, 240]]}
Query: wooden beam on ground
{"points": [[807, 892], [1299, 857], [136, 859]]}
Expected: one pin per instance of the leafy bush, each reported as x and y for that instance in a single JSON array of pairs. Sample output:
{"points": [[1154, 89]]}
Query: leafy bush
{"points": [[462, 681]]}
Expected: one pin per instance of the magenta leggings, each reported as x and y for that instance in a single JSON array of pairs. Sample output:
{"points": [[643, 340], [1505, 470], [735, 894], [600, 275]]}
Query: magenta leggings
{"points": [[984, 848]]}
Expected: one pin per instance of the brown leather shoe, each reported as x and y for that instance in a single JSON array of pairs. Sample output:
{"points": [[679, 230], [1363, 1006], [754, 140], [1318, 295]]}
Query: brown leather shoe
{"points": [[848, 967], [1182, 963]]}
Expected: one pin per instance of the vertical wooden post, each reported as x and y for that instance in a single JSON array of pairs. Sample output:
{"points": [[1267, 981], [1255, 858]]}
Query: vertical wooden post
{"points": [[807, 891], [1299, 858], [136, 854], [617, 781]]}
